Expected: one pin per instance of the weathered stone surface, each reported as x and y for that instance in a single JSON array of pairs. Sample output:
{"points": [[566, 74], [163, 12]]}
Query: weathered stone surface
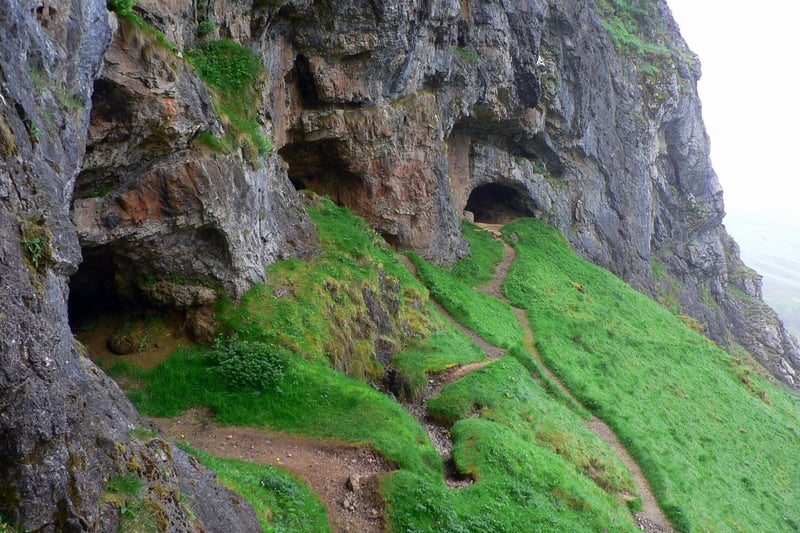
{"points": [[409, 112], [162, 206], [516, 111], [64, 426]]}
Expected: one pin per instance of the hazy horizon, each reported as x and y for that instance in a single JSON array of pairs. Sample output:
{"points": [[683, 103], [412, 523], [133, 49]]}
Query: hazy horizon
{"points": [[753, 135]]}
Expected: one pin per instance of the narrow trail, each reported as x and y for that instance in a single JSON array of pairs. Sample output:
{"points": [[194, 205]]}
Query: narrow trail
{"points": [[439, 433], [651, 518], [345, 477]]}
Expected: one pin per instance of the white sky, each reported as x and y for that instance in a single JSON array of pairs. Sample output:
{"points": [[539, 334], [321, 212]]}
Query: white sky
{"points": [[750, 55]]}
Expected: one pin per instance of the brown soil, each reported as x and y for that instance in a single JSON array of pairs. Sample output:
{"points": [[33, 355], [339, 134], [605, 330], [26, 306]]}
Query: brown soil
{"points": [[345, 477], [439, 433], [494, 287], [163, 335]]}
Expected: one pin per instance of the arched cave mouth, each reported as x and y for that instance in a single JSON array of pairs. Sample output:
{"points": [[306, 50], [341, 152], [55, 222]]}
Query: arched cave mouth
{"points": [[111, 318], [496, 203]]}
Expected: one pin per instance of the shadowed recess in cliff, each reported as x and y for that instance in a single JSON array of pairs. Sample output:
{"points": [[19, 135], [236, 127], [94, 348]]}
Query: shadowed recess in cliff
{"points": [[495, 203], [93, 288], [317, 166]]}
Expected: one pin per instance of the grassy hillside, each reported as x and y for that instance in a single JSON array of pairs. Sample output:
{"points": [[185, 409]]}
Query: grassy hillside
{"points": [[719, 445]]}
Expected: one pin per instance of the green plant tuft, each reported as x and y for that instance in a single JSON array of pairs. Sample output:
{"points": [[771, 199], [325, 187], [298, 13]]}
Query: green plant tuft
{"points": [[125, 484], [205, 27], [35, 238], [121, 7], [249, 364], [466, 54], [232, 72]]}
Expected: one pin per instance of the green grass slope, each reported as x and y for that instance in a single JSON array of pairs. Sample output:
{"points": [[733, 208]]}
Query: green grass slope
{"points": [[720, 447]]}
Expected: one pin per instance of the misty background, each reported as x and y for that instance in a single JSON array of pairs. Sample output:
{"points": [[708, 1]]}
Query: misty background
{"points": [[749, 56]]}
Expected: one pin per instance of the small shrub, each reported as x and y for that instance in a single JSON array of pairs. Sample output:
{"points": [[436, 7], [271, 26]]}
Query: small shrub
{"points": [[121, 7], [206, 27], [250, 364]]}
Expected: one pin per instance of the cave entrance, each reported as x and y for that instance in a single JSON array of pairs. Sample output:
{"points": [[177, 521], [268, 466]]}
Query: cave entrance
{"points": [[498, 204], [93, 289], [317, 166], [109, 316]]}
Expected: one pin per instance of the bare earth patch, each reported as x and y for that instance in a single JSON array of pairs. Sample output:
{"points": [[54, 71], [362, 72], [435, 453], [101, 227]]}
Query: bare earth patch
{"points": [[345, 477]]}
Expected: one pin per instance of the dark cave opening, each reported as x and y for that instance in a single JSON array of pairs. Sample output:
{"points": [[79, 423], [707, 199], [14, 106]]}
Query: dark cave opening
{"points": [[110, 316], [392, 240], [94, 289], [318, 167], [302, 78], [495, 203]]}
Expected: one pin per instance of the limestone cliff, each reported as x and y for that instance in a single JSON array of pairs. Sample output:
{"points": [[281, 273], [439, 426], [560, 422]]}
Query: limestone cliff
{"points": [[115, 170], [66, 430]]}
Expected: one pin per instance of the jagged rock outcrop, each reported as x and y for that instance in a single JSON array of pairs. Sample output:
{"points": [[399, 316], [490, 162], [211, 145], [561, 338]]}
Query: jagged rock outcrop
{"points": [[66, 429], [409, 112], [154, 202]]}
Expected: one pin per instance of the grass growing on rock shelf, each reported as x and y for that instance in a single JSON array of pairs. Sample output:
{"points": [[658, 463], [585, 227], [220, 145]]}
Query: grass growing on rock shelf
{"points": [[487, 316], [233, 73], [522, 484], [718, 445], [283, 503], [325, 308]]}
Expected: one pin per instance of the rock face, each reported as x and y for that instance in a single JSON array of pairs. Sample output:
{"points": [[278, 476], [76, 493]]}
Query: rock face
{"points": [[66, 430], [410, 113], [415, 114]]}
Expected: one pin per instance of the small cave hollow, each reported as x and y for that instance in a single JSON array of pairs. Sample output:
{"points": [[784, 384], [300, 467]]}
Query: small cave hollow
{"points": [[302, 78], [110, 317], [318, 167], [93, 289], [496, 203]]}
